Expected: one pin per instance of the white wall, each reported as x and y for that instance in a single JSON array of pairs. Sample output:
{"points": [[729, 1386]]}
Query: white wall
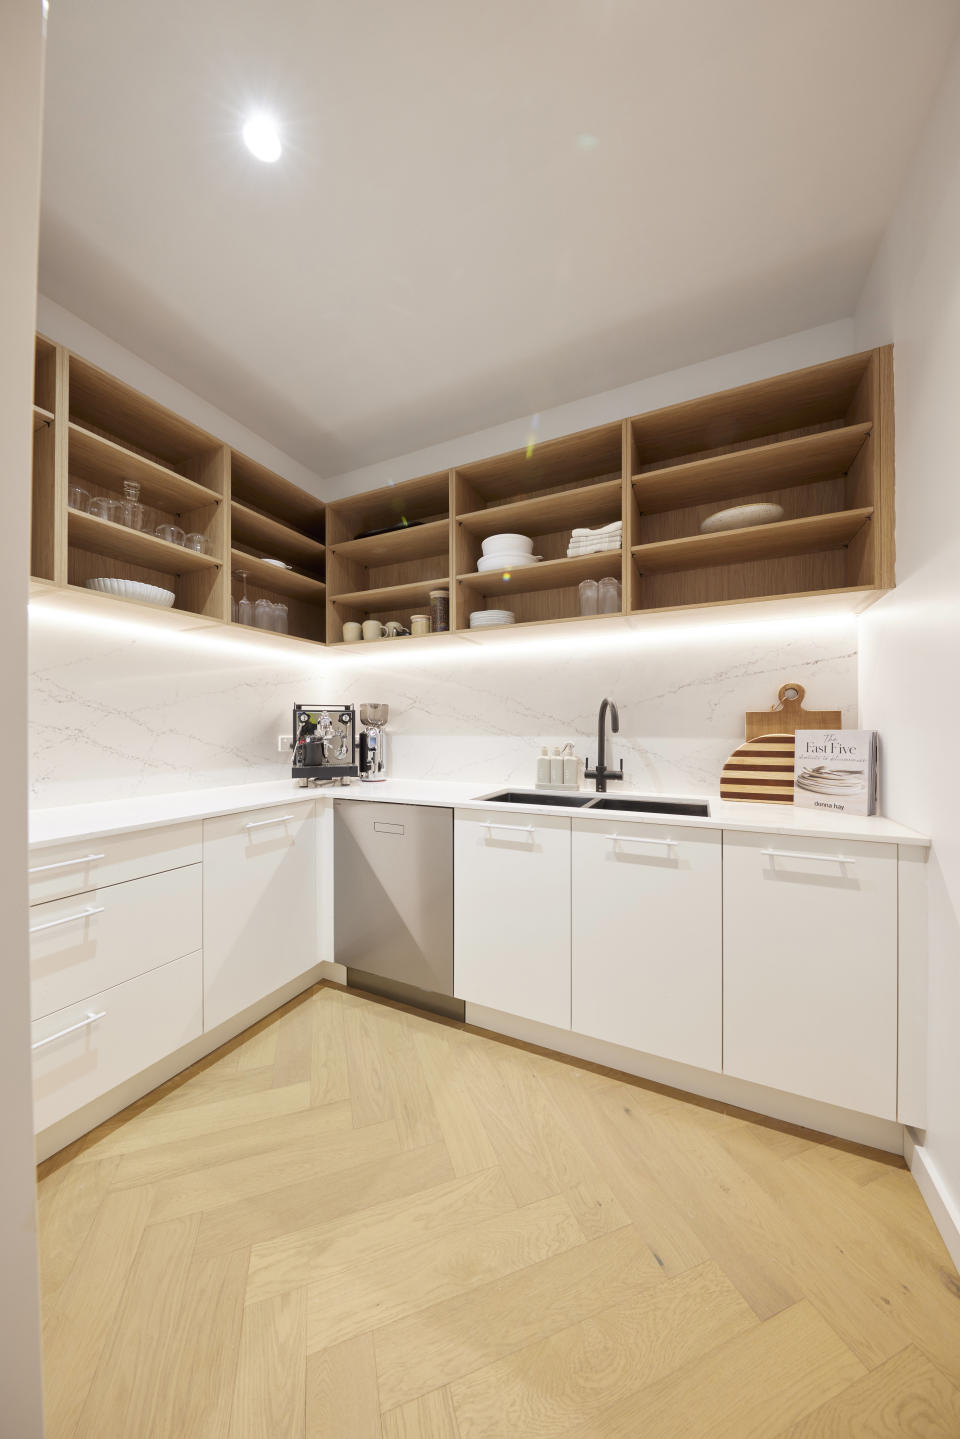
{"points": [[910, 642], [792, 352], [67, 329], [119, 710], [21, 93]]}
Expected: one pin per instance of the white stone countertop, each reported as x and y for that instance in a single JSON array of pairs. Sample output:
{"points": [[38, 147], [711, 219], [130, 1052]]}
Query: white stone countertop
{"points": [[87, 821]]}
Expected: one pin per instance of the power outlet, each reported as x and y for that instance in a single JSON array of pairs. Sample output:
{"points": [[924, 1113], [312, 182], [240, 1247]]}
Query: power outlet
{"points": [[284, 743]]}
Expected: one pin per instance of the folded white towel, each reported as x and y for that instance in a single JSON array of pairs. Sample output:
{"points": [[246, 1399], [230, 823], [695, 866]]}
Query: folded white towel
{"points": [[614, 525], [592, 547]]}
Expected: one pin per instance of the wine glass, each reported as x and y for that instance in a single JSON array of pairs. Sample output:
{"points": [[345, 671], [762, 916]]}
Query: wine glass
{"points": [[245, 606]]}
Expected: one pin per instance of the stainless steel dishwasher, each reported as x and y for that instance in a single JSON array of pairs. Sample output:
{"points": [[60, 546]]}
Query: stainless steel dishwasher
{"points": [[393, 901]]}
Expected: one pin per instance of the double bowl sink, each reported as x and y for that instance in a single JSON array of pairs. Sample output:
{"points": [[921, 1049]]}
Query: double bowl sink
{"points": [[599, 802]]}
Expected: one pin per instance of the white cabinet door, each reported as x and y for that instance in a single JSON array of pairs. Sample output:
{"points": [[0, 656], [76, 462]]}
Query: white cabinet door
{"points": [[91, 941], [810, 968], [259, 905], [647, 937], [84, 1050], [511, 913]]}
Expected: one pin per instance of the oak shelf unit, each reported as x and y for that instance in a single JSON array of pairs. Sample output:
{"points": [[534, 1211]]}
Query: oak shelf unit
{"points": [[818, 442]]}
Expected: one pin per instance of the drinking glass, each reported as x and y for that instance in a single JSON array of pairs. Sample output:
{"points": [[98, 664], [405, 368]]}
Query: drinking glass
{"points": [[78, 498], [245, 604], [608, 596], [589, 599], [172, 533], [106, 509], [198, 542], [262, 615], [281, 619], [132, 513]]}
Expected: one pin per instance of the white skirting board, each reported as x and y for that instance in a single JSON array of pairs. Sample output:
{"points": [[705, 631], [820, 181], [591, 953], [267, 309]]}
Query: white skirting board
{"points": [[939, 1201], [791, 1108], [72, 1126]]}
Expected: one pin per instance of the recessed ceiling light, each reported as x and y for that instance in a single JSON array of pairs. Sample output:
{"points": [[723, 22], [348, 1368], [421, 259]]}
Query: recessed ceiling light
{"points": [[262, 137]]}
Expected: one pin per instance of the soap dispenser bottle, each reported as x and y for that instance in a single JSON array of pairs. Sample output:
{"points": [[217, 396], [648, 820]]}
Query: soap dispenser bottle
{"points": [[543, 766]]}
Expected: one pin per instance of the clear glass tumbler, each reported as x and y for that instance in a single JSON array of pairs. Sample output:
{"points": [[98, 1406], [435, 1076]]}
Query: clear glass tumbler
{"points": [[78, 498], [608, 596], [589, 599]]}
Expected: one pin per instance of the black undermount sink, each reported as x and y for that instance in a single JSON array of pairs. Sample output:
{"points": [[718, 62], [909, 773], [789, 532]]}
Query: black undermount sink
{"points": [[600, 801], [517, 796], [651, 806]]}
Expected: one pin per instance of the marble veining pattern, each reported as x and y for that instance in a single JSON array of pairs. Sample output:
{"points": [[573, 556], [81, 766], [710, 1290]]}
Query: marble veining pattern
{"points": [[122, 714]]}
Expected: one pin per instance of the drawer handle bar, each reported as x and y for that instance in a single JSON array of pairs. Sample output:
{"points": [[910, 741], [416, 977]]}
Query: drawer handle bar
{"points": [[259, 824], [71, 1029], [803, 854], [67, 918], [520, 828], [640, 839], [64, 863]]}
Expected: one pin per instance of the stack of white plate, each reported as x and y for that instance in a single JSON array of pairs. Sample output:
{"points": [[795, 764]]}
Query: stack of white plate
{"points": [[133, 590], [487, 619]]}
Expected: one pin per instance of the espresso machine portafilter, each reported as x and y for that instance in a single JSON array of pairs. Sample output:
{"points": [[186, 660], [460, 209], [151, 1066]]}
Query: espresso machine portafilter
{"points": [[373, 742]]}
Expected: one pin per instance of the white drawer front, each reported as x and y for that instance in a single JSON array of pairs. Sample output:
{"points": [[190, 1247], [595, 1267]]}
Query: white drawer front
{"points": [[138, 1023], [90, 941], [810, 968], [59, 870]]}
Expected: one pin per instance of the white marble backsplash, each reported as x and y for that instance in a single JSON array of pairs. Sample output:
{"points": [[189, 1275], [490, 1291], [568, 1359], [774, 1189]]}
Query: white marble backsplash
{"points": [[122, 711]]}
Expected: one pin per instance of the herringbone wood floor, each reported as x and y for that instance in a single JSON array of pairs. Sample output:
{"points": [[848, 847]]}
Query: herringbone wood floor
{"points": [[357, 1223]]}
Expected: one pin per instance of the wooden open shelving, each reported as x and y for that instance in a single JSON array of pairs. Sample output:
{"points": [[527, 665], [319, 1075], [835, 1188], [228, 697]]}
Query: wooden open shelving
{"points": [[817, 442]]}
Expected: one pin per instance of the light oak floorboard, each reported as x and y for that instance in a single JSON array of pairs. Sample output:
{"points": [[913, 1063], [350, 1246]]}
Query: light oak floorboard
{"points": [[342, 1392], [430, 1417], [270, 1394], [358, 1222]]}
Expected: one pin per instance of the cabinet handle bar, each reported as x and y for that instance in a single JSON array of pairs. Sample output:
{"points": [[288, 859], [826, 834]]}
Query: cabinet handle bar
{"points": [[67, 918], [64, 863], [70, 1029], [520, 828], [641, 839], [258, 824], [804, 854]]}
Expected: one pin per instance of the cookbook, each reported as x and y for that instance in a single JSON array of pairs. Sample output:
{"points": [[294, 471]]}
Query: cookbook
{"points": [[836, 770]]}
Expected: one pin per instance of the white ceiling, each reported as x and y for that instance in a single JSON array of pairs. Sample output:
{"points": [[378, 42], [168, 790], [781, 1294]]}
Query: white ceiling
{"points": [[483, 209]]}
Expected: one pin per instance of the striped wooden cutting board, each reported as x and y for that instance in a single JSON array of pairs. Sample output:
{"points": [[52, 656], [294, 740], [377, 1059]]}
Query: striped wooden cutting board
{"points": [[760, 771]]}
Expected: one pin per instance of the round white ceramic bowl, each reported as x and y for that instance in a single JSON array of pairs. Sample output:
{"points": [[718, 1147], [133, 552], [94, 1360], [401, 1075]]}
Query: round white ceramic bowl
{"points": [[509, 544], [505, 562], [740, 517]]}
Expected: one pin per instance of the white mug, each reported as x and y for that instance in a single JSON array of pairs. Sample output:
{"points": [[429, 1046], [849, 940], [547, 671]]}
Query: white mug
{"points": [[372, 630], [352, 631]]}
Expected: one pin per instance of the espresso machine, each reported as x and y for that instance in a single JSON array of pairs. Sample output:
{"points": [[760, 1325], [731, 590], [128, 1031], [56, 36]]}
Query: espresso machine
{"points": [[324, 742], [373, 742]]}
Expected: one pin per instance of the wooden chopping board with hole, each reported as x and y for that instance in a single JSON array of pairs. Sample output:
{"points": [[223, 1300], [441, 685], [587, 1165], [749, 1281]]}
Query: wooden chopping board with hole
{"points": [[789, 715], [760, 771]]}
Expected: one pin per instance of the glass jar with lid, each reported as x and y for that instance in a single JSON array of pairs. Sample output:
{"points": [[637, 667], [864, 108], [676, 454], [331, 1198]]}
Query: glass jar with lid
{"points": [[440, 608]]}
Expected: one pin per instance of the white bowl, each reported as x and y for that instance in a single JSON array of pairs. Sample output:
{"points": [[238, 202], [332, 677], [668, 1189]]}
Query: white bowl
{"points": [[740, 517], [506, 562], [509, 544], [133, 590]]}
